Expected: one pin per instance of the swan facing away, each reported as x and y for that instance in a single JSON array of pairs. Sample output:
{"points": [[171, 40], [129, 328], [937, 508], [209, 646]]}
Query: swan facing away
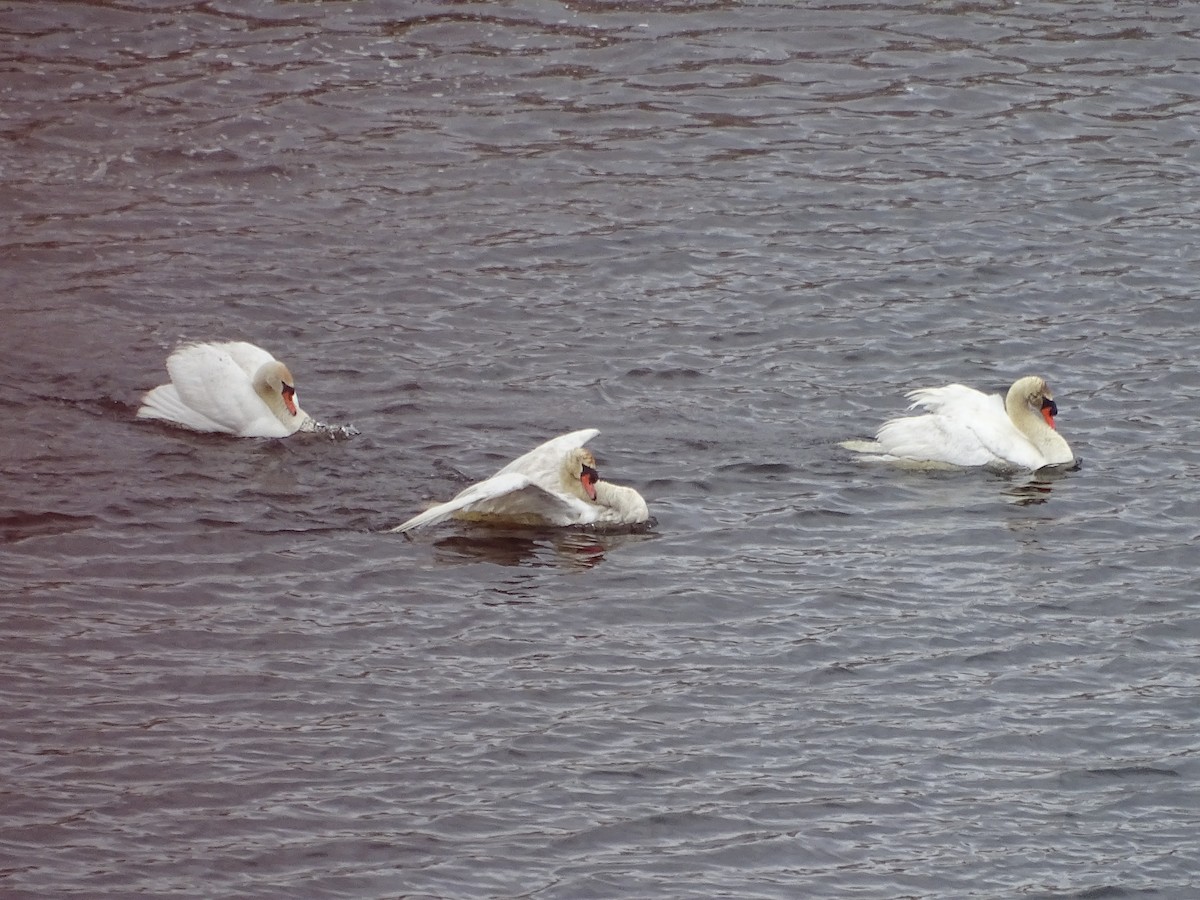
{"points": [[965, 427], [554, 484], [230, 388]]}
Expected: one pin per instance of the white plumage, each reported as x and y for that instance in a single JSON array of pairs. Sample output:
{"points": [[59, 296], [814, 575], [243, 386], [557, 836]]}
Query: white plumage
{"points": [[965, 427], [553, 484], [231, 388]]}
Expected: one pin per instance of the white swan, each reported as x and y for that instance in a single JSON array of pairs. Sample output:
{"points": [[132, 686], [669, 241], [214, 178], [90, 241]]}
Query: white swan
{"points": [[965, 427], [231, 388], [554, 484]]}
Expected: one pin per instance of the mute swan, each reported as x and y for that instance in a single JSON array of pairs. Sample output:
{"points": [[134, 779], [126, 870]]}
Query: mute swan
{"points": [[554, 484], [232, 388], [965, 427]]}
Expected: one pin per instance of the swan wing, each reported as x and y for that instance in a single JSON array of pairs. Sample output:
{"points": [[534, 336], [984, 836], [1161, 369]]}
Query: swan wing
{"points": [[962, 427], [249, 357], [955, 400], [210, 381], [931, 438], [506, 496], [542, 462], [164, 403], [977, 424]]}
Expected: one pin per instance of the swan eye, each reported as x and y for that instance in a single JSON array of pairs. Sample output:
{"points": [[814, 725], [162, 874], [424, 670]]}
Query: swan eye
{"points": [[1049, 404]]}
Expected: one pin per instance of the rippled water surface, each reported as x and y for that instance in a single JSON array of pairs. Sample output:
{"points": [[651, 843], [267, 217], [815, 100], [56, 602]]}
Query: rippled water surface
{"points": [[730, 235]]}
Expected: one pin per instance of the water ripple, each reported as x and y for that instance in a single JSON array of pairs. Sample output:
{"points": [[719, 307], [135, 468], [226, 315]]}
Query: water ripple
{"points": [[731, 237]]}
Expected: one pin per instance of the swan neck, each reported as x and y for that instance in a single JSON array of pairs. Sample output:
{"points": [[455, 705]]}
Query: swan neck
{"points": [[1053, 446], [1028, 421], [268, 384]]}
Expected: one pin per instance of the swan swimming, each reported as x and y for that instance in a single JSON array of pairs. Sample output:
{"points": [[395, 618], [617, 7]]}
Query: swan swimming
{"points": [[966, 427], [553, 484], [230, 388]]}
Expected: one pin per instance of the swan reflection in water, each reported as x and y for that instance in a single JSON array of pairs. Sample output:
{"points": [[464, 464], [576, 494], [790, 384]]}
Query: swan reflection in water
{"points": [[1038, 489], [575, 549]]}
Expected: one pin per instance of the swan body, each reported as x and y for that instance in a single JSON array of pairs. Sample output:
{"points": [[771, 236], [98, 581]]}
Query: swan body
{"points": [[553, 484], [230, 388], [965, 427]]}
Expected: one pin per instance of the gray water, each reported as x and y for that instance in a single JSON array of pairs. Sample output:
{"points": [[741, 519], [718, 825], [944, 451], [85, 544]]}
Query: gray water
{"points": [[729, 235]]}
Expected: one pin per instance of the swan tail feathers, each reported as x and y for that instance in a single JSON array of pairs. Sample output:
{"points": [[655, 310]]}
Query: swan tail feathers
{"points": [[164, 404]]}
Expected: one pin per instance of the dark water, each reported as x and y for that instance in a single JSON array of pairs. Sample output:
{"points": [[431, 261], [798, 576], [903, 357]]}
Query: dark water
{"points": [[730, 235]]}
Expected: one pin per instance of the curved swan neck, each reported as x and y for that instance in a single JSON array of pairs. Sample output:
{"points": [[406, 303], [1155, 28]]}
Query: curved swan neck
{"points": [[1024, 407], [275, 385], [1023, 403], [1028, 420]]}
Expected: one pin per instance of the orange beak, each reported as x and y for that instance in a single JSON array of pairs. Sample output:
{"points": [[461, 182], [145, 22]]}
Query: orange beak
{"points": [[289, 398], [1049, 411], [589, 478]]}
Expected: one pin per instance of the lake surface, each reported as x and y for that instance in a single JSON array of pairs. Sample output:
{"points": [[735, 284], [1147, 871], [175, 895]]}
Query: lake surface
{"points": [[729, 235]]}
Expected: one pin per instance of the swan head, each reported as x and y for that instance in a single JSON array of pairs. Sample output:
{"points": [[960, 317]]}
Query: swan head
{"points": [[581, 474], [274, 383], [1033, 393], [620, 505]]}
